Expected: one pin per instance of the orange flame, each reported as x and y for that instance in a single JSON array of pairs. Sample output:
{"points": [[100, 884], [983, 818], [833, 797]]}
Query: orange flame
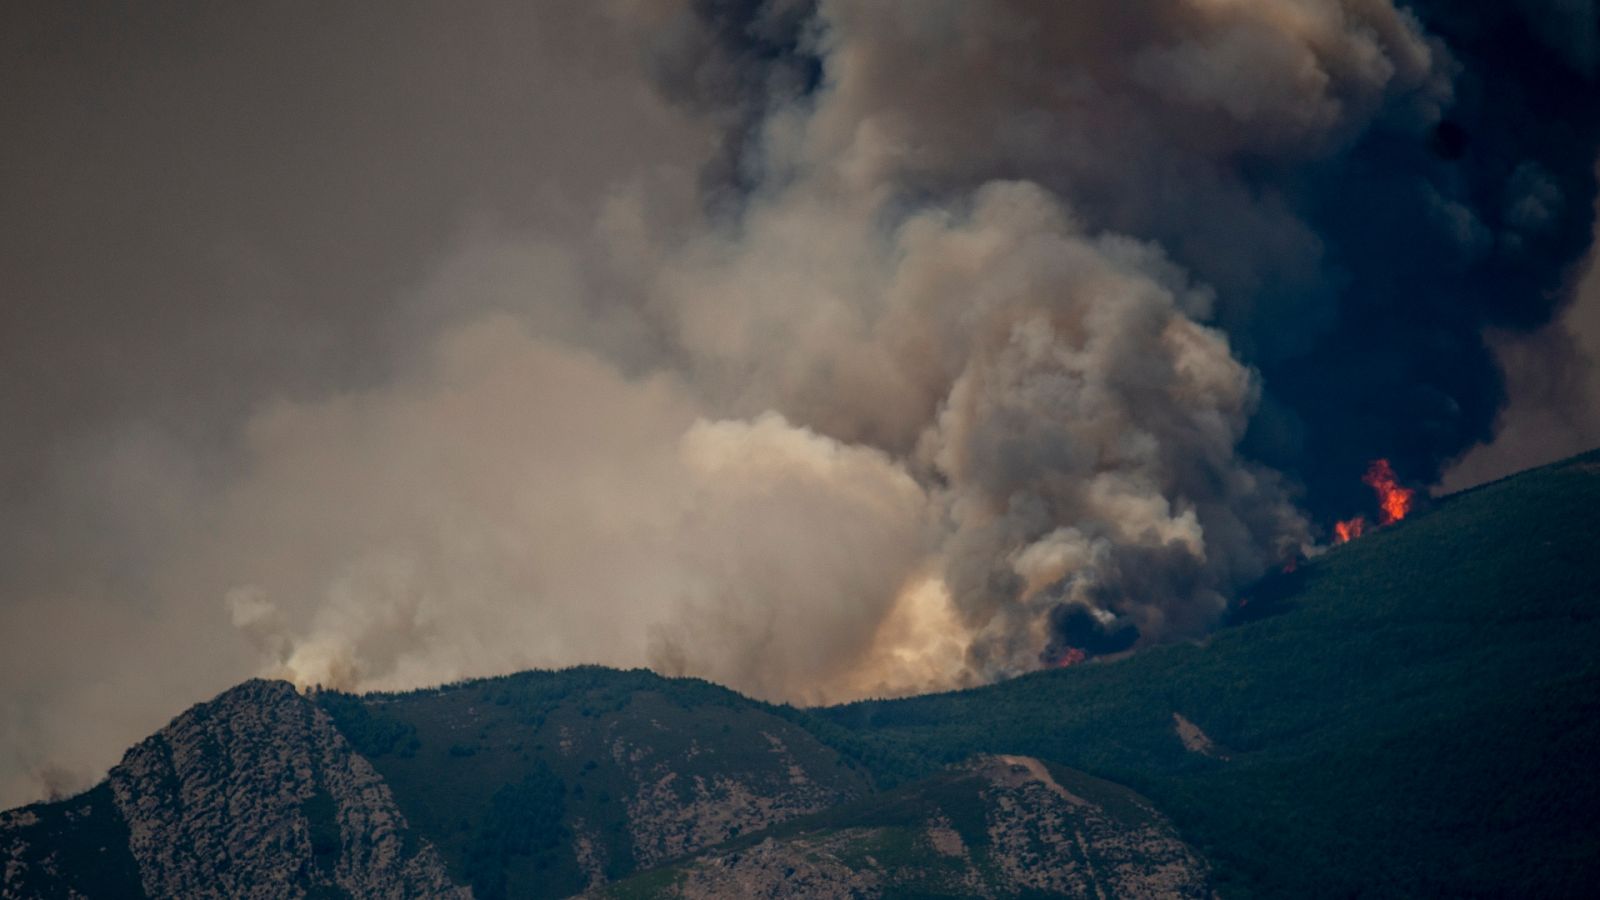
{"points": [[1394, 500], [1349, 529], [1069, 657]]}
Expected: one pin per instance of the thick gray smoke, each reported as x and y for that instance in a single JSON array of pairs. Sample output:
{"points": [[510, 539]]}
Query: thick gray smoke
{"points": [[823, 350], [1052, 389]]}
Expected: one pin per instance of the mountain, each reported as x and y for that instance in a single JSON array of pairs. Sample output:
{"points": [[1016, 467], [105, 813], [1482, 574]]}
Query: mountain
{"points": [[1414, 713]]}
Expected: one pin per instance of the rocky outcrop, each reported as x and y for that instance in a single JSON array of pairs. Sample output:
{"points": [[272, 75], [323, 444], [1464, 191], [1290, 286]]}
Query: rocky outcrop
{"points": [[1044, 837], [668, 819], [810, 868], [256, 794], [693, 782], [1022, 831]]}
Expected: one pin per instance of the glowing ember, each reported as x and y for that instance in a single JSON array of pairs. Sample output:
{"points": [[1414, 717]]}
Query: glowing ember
{"points": [[1349, 529], [1069, 657], [1394, 500]]}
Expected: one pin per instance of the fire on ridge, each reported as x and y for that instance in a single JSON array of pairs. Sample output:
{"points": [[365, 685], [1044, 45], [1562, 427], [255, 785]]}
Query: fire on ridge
{"points": [[1394, 502]]}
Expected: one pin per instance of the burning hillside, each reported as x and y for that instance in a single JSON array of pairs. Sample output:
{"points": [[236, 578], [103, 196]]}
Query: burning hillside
{"points": [[821, 349]]}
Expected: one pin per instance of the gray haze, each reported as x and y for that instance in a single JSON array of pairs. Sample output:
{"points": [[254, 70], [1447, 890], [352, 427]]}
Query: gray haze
{"points": [[380, 345]]}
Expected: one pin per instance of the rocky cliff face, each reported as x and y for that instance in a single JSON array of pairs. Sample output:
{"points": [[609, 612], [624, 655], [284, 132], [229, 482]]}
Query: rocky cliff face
{"points": [[256, 794]]}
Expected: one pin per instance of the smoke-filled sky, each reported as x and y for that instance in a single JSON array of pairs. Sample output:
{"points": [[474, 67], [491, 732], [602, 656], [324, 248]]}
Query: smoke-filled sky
{"points": [[823, 349]]}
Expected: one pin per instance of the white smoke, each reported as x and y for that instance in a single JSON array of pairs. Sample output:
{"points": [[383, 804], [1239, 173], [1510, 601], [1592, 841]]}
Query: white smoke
{"points": [[525, 504]]}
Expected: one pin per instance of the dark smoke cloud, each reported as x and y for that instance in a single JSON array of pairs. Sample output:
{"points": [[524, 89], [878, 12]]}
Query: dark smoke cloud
{"points": [[1367, 188], [734, 62], [1076, 628], [825, 349], [1436, 248], [1554, 390]]}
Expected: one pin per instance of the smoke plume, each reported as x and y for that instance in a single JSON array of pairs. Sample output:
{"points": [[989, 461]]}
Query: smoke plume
{"points": [[823, 349]]}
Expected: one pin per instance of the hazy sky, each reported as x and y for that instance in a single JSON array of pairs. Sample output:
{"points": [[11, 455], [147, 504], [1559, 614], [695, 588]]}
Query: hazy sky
{"points": [[821, 349]]}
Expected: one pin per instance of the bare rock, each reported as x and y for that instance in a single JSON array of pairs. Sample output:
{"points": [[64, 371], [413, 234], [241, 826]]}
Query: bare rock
{"points": [[256, 794]]}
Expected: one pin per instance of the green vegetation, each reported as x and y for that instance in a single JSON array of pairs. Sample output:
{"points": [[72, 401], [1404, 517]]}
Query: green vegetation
{"points": [[321, 814], [523, 820], [656, 883], [373, 734], [74, 847]]}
